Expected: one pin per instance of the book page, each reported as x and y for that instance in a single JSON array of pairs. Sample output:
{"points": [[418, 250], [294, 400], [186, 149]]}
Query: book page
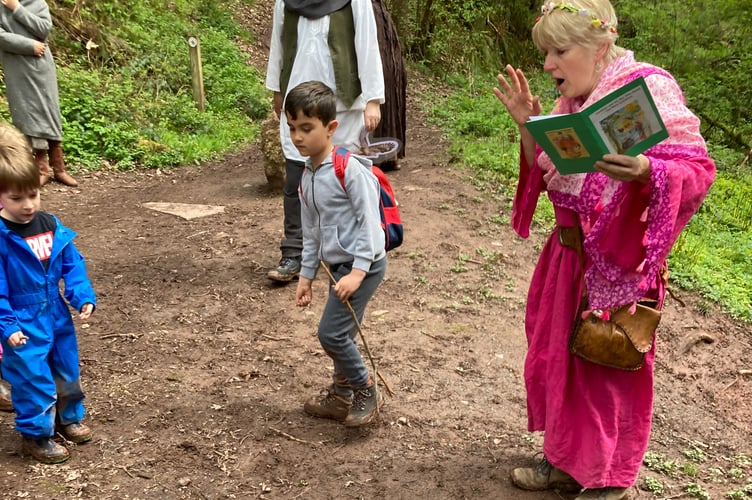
{"points": [[545, 117], [626, 121], [569, 141]]}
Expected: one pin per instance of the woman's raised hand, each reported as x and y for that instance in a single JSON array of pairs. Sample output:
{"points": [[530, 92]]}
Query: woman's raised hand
{"points": [[516, 96]]}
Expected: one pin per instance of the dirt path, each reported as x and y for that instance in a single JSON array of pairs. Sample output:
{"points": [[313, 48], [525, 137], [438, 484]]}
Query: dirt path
{"points": [[196, 366]]}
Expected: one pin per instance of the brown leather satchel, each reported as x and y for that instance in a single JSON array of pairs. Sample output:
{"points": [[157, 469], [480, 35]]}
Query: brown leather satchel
{"points": [[622, 341]]}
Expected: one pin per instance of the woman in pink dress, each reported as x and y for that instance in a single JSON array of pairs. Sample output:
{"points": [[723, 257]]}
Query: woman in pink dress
{"points": [[625, 217]]}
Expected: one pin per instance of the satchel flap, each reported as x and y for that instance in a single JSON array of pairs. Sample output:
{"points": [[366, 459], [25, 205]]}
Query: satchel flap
{"points": [[640, 326]]}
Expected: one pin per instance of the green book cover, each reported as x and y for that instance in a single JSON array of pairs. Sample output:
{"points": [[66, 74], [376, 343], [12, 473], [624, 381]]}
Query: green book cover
{"points": [[626, 121]]}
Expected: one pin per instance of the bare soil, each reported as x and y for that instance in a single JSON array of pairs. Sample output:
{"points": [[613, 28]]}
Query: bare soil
{"points": [[196, 365]]}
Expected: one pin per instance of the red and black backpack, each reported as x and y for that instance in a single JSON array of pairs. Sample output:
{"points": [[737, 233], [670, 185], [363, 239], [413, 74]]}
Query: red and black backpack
{"points": [[391, 222]]}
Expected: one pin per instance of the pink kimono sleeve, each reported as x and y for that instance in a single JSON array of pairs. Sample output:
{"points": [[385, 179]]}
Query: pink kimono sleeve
{"points": [[529, 187]]}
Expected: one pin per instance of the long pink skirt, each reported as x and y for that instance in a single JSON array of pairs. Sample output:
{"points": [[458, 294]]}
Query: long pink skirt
{"points": [[596, 419]]}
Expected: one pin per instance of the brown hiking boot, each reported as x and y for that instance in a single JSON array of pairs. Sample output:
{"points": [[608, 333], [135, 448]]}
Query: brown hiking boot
{"points": [[328, 405], [44, 450], [76, 432], [544, 476], [364, 407], [604, 494]]}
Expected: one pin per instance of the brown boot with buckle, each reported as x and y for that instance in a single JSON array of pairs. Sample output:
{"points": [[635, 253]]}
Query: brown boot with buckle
{"points": [[544, 476], [58, 165], [40, 158], [44, 450], [76, 432]]}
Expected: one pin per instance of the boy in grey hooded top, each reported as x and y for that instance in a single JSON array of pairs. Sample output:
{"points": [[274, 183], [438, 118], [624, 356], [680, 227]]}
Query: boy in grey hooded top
{"points": [[342, 229], [340, 225]]}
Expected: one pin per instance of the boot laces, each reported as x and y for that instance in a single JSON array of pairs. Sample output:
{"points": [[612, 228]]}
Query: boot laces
{"points": [[326, 397], [543, 467], [361, 396]]}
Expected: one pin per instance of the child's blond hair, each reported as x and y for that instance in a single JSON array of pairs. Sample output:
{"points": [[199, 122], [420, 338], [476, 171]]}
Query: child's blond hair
{"points": [[18, 170]]}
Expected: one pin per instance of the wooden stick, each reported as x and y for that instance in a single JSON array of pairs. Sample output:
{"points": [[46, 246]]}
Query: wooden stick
{"points": [[729, 385], [293, 438], [114, 335], [376, 372]]}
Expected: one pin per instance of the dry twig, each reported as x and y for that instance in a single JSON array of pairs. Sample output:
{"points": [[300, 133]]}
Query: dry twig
{"points": [[429, 335], [293, 438], [729, 385], [269, 337], [114, 335]]}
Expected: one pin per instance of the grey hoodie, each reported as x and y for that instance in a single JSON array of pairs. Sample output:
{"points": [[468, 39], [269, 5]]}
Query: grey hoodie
{"points": [[340, 225]]}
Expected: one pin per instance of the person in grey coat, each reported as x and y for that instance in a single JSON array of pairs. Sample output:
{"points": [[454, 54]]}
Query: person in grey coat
{"points": [[31, 83]]}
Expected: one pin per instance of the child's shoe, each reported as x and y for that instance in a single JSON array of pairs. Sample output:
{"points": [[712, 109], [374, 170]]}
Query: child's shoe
{"points": [[76, 432], [44, 450], [328, 405], [288, 270], [364, 407]]}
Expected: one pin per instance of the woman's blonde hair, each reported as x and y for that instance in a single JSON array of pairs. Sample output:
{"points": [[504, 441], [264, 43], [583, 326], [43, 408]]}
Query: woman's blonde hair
{"points": [[18, 170], [589, 23]]}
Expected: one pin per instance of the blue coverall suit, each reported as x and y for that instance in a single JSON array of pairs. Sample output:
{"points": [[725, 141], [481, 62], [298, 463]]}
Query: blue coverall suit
{"points": [[44, 372]]}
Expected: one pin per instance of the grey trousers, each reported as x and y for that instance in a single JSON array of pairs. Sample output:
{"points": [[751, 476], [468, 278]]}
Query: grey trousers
{"points": [[338, 331], [292, 242]]}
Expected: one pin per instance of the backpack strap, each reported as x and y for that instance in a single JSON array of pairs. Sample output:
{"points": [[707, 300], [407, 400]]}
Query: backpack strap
{"points": [[340, 157], [300, 193]]}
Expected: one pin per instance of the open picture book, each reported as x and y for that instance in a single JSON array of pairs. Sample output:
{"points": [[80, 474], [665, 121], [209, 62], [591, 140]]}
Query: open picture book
{"points": [[626, 121]]}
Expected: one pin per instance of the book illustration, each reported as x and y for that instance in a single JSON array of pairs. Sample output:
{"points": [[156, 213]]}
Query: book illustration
{"points": [[627, 126], [567, 143]]}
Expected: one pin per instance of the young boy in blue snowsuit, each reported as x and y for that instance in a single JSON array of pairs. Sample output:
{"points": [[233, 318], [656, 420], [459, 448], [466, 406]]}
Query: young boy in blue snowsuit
{"points": [[40, 352], [342, 228]]}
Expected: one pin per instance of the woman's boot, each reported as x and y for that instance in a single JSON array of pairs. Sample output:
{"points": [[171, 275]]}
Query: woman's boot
{"points": [[40, 157], [58, 165]]}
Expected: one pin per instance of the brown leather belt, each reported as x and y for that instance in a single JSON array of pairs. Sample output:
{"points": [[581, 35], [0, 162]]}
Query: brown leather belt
{"points": [[570, 237]]}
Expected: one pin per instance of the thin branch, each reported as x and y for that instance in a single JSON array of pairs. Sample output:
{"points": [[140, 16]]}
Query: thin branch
{"points": [[114, 335], [293, 438]]}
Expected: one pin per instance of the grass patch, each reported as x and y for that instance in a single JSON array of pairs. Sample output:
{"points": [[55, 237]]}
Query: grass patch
{"points": [[692, 474], [128, 102]]}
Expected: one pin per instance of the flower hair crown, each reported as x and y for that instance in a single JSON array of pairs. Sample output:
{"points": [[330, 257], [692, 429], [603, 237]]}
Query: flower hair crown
{"points": [[595, 21]]}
